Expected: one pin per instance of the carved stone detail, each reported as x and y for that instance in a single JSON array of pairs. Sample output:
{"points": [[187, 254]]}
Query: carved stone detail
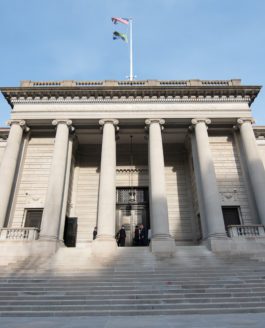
{"points": [[22, 123]]}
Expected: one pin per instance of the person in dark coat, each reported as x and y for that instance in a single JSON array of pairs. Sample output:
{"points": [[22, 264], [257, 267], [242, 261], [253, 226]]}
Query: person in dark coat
{"points": [[136, 236], [95, 232], [143, 236], [121, 236]]}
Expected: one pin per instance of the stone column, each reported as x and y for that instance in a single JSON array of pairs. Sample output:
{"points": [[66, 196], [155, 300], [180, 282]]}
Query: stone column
{"points": [[54, 196], [161, 241], [66, 188], [9, 165], [105, 242], [255, 166], [210, 194]]}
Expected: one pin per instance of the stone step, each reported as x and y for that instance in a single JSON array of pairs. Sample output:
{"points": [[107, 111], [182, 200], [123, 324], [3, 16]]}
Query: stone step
{"points": [[123, 300], [132, 280], [107, 308], [135, 293], [135, 297], [137, 312], [125, 288]]}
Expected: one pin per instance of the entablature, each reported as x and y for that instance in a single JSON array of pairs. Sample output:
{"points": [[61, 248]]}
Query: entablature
{"points": [[148, 91]]}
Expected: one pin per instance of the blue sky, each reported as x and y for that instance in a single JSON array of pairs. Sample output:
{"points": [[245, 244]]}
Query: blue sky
{"points": [[173, 39]]}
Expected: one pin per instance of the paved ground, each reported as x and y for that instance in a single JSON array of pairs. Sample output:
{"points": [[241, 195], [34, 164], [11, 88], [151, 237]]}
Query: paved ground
{"points": [[183, 321]]}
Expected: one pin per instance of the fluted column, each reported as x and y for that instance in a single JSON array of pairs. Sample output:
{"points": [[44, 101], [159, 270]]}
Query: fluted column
{"points": [[107, 187], [157, 190], [54, 197], [255, 166], [211, 199], [9, 165]]}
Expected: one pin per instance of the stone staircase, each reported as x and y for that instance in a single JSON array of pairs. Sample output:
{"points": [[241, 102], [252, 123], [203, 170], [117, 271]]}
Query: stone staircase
{"points": [[133, 282]]}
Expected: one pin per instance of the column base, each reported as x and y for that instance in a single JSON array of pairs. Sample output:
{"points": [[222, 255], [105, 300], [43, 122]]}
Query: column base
{"points": [[48, 246], [218, 244], [104, 247], [163, 246]]}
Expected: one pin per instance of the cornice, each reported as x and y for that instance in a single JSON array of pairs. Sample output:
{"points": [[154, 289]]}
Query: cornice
{"points": [[130, 94], [124, 100]]}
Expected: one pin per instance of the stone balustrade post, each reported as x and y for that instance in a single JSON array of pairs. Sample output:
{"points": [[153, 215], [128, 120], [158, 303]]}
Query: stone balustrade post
{"points": [[9, 165], [210, 194], [105, 241], [254, 164], [161, 241], [54, 196]]}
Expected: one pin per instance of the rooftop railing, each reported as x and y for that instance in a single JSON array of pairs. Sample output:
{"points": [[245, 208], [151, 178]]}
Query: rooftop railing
{"points": [[114, 83]]}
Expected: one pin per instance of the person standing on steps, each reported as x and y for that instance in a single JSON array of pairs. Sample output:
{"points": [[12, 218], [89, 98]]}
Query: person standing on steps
{"points": [[136, 236], [143, 235], [95, 232], [121, 236]]}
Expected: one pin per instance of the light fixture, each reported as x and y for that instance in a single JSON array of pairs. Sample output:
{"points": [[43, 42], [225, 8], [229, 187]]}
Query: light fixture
{"points": [[132, 191]]}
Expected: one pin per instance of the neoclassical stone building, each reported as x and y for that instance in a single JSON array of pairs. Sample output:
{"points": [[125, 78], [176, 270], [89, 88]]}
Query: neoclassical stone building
{"points": [[181, 157]]}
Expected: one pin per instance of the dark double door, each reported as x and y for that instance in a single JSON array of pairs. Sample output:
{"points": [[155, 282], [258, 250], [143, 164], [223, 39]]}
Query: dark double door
{"points": [[131, 213]]}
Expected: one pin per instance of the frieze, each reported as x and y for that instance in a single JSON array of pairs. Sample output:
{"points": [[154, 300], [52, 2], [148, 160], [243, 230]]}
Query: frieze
{"points": [[124, 100]]}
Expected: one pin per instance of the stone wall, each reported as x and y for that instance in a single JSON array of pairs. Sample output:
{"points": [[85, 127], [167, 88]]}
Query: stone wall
{"points": [[33, 178], [85, 190], [179, 195], [229, 175]]}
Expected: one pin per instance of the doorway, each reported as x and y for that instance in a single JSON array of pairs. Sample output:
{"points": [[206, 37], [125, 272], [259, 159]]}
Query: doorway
{"points": [[231, 216], [131, 212]]}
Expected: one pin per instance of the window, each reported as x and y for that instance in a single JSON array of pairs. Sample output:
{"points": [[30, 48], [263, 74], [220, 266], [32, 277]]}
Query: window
{"points": [[231, 216], [33, 218]]}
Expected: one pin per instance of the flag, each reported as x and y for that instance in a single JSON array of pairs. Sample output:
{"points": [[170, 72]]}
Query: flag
{"points": [[117, 20], [118, 35]]}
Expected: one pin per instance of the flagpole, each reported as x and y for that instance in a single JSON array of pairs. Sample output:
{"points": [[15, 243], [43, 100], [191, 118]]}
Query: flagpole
{"points": [[131, 51]]}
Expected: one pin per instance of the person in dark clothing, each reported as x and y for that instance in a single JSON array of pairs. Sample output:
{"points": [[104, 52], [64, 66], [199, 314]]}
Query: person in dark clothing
{"points": [[95, 232], [136, 236], [143, 236], [121, 236]]}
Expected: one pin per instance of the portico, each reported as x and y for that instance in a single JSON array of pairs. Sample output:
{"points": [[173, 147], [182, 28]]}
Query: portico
{"points": [[68, 154]]}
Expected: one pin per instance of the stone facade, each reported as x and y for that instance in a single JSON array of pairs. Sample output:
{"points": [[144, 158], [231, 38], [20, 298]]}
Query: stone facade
{"points": [[75, 147]]}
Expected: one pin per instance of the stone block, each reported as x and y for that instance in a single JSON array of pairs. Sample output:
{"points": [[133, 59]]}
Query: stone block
{"points": [[164, 247]]}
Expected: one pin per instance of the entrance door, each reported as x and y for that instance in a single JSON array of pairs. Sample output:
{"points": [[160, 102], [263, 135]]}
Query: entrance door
{"points": [[131, 214]]}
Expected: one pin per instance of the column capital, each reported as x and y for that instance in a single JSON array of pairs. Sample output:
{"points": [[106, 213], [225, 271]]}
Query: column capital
{"points": [[195, 121], [67, 122], [21, 123], [241, 121], [160, 121], [108, 120]]}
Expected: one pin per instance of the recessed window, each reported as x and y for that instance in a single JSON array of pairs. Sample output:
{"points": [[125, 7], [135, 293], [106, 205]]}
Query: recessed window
{"points": [[231, 216], [33, 218]]}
